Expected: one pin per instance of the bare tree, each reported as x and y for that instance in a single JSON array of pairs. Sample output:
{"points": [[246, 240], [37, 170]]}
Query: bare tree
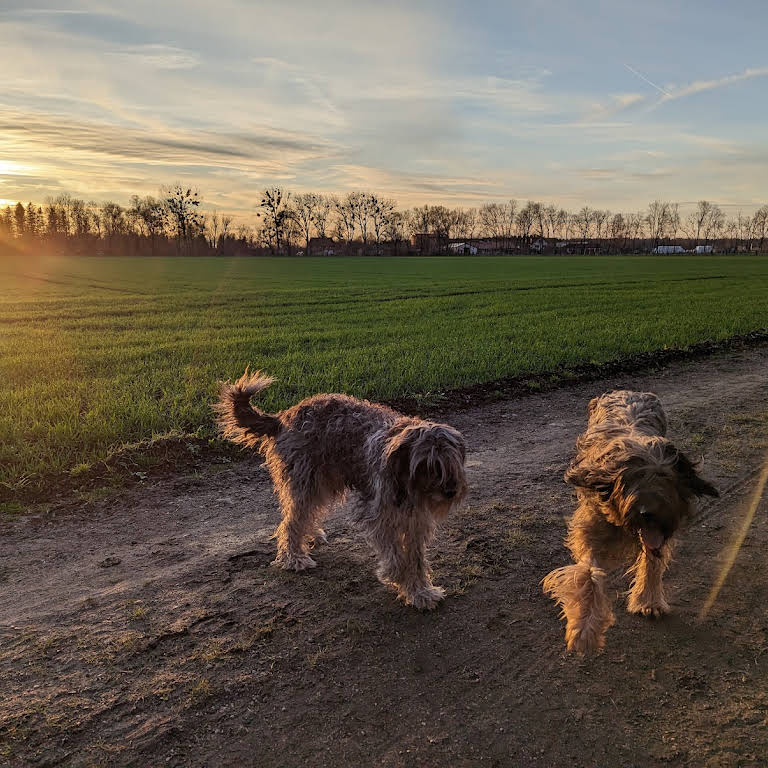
{"points": [[182, 204], [442, 224], [583, 221], [276, 215], [150, 215], [599, 219], [618, 231], [659, 220], [420, 220], [493, 221], [469, 222], [381, 211], [212, 227], [539, 220], [361, 204], [698, 221], [497, 221], [345, 214], [394, 229], [226, 223], [325, 204], [304, 210], [555, 219], [716, 224], [81, 218], [760, 225]]}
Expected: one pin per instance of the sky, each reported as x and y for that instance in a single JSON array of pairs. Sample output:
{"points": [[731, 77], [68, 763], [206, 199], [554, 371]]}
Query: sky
{"points": [[604, 103]]}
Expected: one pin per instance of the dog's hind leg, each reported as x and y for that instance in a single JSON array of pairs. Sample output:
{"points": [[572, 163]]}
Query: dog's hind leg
{"points": [[295, 532], [646, 595], [580, 591]]}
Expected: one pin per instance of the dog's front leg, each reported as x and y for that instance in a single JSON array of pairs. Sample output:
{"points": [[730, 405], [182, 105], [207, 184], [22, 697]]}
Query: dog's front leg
{"points": [[646, 595], [403, 565], [415, 585]]}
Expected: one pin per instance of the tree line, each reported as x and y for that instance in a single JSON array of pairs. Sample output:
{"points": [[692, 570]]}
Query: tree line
{"points": [[366, 223]]}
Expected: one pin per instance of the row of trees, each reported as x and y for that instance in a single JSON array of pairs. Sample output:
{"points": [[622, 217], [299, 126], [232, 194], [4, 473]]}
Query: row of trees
{"points": [[363, 222]]}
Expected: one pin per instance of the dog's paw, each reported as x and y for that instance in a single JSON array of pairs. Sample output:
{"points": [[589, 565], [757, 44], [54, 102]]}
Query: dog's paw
{"points": [[425, 598], [652, 610], [583, 642], [294, 562]]}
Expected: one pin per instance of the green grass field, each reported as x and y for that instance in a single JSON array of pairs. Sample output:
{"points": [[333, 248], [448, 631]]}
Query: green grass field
{"points": [[95, 353]]}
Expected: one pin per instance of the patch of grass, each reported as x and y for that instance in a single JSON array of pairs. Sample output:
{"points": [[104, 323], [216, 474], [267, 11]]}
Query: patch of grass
{"points": [[246, 641], [468, 575], [11, 509], [86, 369], [358, 628], [313, 659], [94, 495], [200, 692]]}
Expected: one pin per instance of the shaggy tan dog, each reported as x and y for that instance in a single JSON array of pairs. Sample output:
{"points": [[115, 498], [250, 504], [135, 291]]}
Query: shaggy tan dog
{"points": [[408, 474], [634, 490]]}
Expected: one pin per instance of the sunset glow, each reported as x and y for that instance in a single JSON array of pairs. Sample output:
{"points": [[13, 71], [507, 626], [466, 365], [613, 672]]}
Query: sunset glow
{"points": [[456, 104]]}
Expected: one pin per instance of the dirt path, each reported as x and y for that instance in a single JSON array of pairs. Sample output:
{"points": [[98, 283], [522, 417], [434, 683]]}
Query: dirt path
{"points": [[151, 630]]}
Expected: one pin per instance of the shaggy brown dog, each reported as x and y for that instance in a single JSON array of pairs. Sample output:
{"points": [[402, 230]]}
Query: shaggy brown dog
{"points": [[408, 474], [634, 490]]}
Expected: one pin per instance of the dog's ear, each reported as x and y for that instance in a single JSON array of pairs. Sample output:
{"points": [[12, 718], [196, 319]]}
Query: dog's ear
{"points": [[690, 479], [582, 474], [397, 456]]}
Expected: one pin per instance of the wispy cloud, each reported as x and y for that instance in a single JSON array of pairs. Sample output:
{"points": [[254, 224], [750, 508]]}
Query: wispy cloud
{"points": [[158, 56], [621, 102], [700, 86]]}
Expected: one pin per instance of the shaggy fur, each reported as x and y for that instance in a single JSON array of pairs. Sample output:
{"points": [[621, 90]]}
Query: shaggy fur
{"points": [[634, 490], [408, 474]]}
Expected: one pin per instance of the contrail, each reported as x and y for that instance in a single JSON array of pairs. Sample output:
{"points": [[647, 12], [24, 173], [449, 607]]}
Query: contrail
{"points": [[643, 77], [736, 546]]}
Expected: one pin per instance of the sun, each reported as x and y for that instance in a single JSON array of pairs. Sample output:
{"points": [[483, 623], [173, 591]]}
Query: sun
{"points": [[12, 168]]}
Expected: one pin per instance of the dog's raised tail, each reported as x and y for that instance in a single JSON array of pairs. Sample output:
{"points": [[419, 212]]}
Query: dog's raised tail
{"points": [[580, 591], [238, 420]]}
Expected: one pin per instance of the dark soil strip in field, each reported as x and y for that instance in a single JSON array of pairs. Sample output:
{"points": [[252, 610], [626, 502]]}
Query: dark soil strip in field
{"points": [[618, 285], [163, 456], [76, 283], [518, 386]]}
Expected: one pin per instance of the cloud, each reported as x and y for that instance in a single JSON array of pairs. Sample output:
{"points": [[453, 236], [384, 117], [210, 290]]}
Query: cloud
{"points": [[56, 134], [622, 102], [673, 93], [158, 56]]}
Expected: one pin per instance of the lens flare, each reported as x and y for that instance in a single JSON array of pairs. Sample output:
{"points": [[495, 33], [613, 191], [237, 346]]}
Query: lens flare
{"points": [[736, 545]]}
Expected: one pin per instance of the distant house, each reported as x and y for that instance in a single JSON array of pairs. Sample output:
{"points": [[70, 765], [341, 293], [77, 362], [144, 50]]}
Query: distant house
{"points": [[487, 246], [322, 246], [572, 247], [465, 248], [427, 242], [703, 249]]}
